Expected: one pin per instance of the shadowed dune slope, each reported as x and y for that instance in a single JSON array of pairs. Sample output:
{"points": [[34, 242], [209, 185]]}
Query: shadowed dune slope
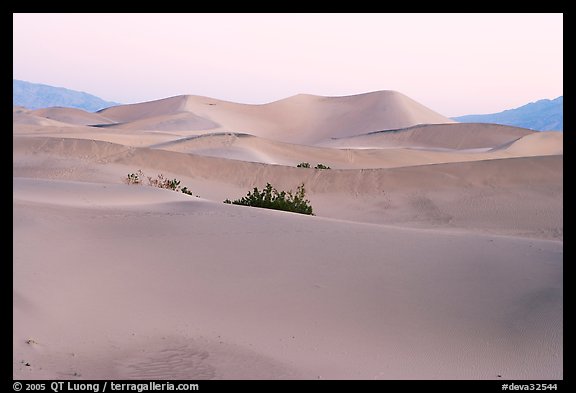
{"points": [[538, 143], [439, 136]]}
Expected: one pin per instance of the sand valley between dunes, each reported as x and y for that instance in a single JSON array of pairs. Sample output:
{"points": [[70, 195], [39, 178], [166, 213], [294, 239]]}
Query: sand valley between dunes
{"points": [[435, 251]]}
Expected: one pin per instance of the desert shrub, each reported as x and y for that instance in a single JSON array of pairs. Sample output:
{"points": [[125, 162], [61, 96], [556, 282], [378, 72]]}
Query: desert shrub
{"points": [[271, 198], [307, 165], [134, 178], [160, 182]]}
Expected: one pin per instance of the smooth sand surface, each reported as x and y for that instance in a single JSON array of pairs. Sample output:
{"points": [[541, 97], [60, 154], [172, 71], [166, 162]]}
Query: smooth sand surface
{"points": [[436, 251]]}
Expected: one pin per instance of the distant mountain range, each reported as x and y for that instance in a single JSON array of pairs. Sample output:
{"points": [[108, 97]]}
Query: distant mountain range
{"points": [[35, 96], [542, 115]]}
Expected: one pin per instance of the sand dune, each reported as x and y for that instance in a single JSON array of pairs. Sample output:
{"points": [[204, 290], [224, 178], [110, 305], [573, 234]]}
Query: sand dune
{"points": [[299, 119], [114, 135], [19, 109], [71, 116], [477, 195], [132, 112], [539, 143], [342, 300], [250, 148], [26, 117], [256, 149], [182, 121], [435, 253], [461, 136]]}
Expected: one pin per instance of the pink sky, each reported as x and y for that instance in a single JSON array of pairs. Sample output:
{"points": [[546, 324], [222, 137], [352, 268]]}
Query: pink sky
{"points": [[455, 64]]}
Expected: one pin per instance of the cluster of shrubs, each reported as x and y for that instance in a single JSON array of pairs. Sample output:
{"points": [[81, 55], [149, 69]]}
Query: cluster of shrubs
{"points": [[160, 182], [307, 165], [268, 198], [271, 198]]}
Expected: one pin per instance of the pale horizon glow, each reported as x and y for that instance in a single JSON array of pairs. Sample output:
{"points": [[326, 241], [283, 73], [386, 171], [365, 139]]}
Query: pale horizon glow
{"points": [[455, 64]]}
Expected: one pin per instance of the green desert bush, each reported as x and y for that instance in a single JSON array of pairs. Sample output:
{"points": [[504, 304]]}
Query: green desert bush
{"points": [[271, 198], [307, 165], [185, 190]]}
